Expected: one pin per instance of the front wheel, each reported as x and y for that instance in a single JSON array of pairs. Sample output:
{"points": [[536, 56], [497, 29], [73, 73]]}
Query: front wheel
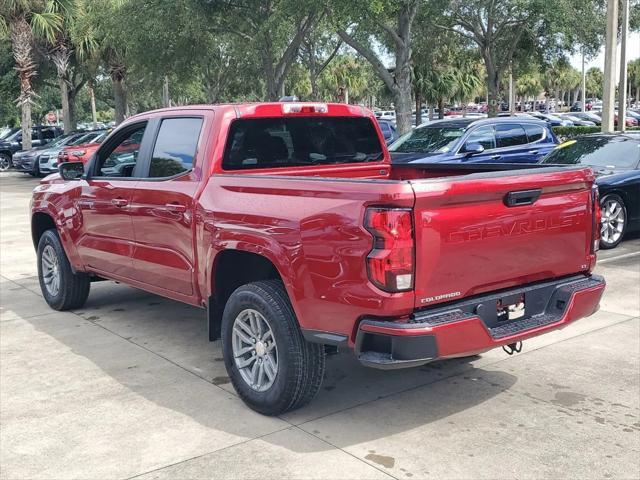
{"points": [[61, 288], [614, 221], [272, 367], [5, 162]]}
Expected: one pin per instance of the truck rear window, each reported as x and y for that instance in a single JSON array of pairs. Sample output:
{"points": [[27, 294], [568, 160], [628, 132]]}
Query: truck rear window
{"points": [[300, 141]]}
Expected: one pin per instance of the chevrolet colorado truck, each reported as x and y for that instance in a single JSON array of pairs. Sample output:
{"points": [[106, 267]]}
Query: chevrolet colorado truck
{"points": [[290, 226]]}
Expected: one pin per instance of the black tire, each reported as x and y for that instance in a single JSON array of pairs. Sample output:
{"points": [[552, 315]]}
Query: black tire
{"points": [[5, 162], [300, 363], [605, 244], [73, 287], [36, 170]]}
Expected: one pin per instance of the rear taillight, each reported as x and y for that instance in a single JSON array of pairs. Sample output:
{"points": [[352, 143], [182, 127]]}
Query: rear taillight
{"points": [[596, 217], [390, 264]]}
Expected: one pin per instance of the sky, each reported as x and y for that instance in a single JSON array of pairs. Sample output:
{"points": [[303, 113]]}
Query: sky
{"points": [[633, 52]]}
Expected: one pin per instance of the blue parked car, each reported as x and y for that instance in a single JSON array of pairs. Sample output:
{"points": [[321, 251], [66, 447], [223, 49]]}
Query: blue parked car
{"points": [[388, 129], [486, 140]]}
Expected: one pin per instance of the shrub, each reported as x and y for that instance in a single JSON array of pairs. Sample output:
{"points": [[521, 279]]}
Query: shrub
{"points": [[567, 133]]}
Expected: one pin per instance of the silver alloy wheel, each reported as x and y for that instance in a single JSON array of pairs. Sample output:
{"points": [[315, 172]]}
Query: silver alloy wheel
{"points": [[255, 352], [5, 163], [613, 221], [50, 270]]}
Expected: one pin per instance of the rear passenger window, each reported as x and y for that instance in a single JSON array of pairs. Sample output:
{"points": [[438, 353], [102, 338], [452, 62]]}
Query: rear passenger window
{"points": [[484, 136], [509, 135], [175, 147], [534, 132]]}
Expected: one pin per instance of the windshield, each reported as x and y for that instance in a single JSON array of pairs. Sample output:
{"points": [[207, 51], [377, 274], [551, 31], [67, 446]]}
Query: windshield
{"points": [[298, 141], [4, 133], [597, 151], [60, 141], [427, 140]]}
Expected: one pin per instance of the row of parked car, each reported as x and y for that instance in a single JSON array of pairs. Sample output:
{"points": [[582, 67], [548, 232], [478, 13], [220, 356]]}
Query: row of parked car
{"points": [[517, 140], [50, 148]]}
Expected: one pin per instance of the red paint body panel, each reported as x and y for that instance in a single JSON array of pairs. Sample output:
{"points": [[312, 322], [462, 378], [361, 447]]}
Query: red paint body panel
{"points": [[308, 221]]}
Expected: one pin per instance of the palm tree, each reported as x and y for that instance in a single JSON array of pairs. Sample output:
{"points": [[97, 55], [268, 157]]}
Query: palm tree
{"points": [[24, 21], [468, 82], [348, 74], [529, 85]]}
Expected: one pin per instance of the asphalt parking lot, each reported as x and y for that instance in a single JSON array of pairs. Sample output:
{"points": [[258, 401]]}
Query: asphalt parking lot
{"points": [[129, 386]]}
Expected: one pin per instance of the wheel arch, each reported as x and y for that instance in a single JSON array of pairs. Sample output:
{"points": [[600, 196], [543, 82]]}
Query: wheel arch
{"points": [[230, 269], [43, 218], [40, 223]]}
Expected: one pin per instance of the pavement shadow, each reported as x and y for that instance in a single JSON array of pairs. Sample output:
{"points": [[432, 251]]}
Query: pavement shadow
{"points": [[177, 333]]}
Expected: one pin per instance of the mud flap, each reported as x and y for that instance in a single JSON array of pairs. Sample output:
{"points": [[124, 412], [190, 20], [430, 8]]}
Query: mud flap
{"points": [[214, 319]]}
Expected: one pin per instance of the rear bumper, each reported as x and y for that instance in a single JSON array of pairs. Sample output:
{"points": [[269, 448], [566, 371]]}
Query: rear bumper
{"points": [[470, 326]]}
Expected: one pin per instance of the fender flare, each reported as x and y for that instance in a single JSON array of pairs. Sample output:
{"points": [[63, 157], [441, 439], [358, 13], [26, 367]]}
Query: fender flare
{"points": [[47, 208]]}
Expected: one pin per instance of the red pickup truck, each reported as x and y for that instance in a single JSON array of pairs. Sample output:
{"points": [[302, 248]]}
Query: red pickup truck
{"points": [[289, 225]]}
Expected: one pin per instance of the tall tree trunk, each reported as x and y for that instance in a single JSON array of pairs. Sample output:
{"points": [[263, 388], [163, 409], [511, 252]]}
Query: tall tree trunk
{"points": [[26, 126], [92, 97], [61, 56], [430, 112], [441, 108], [73, 125], [120, 99], [403, 87], [22, 47], [166, 101], [418, 108], [64, 97], [400, 82], [118, 71], [493, 87]]}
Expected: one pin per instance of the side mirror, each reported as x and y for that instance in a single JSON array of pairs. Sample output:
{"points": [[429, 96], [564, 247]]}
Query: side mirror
{"points": [[473, 148], [71, 170]]}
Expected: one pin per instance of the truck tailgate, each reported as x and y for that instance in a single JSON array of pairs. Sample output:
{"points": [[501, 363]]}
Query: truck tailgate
{"points": [[488, 231]]}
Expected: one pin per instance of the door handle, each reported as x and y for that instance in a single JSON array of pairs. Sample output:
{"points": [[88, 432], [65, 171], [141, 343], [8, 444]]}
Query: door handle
{"points": [[533, 152], [176, 207], [522, 197], [493, 157], [120, 202]]}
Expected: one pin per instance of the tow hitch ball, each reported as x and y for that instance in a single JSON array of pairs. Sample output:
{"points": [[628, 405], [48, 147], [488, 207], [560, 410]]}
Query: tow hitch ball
{"points": [[512, 348]]}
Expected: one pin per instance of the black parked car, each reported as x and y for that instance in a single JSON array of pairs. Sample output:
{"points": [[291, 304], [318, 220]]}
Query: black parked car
{"points": [[615, 159], [588, 116], [40, 135]]}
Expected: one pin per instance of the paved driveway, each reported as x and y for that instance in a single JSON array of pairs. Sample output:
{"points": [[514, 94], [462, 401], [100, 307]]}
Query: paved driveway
{"points": [[128, 386]]}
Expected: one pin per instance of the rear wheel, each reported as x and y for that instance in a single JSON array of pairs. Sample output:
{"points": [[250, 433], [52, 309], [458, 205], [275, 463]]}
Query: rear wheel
{"points": [[272, 367], [614, 221], [61, 288], [5, 162]]}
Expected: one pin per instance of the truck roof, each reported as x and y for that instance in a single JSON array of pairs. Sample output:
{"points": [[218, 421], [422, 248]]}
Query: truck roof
{"points": [[266, 109]]}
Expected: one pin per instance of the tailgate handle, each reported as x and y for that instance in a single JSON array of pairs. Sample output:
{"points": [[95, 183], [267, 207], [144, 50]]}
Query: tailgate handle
{"points": [[523, 197]]}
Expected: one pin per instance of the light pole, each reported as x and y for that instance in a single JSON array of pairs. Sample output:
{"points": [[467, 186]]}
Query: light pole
{"points": [[584, 85], [622, 87], [609, 94]]}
